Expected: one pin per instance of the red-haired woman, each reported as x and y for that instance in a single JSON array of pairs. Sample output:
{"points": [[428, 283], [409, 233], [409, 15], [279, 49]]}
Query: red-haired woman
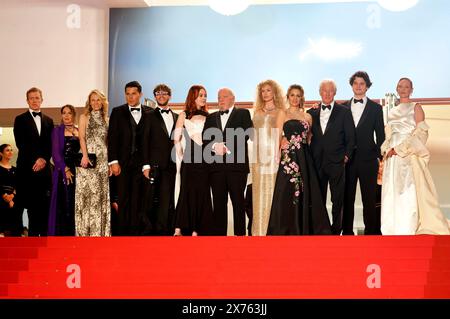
{"points": [[194, 208]]}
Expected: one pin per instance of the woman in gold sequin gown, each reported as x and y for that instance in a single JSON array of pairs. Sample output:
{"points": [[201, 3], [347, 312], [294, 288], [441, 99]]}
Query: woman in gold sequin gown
{"points": [[268, 119]]}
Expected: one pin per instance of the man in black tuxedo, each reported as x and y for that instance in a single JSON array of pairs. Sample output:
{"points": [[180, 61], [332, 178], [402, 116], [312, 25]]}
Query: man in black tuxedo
{"points": [[368, 120], [159, 163], [225, 136], [32, 132], [126, 127], [332, 145]]}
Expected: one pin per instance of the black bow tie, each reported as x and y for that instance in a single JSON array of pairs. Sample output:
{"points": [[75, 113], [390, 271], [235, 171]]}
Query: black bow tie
{"points": [[224, 112], [164, 111], [358, 101], [36, 114], [135, 109], [326, 107]]}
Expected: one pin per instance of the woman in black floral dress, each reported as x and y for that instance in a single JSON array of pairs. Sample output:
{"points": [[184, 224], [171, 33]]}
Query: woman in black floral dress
{"points": [[297, 206]]}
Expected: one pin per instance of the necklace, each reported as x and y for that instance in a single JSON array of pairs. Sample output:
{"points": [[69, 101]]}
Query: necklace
{"points": [[268, 110], [70, 129]]}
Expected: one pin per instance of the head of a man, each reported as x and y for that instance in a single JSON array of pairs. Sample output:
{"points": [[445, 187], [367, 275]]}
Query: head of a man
{"points": [[133, 93], [162, 94], [327, 91], [226, 98], [360, 83], [34, 98]]}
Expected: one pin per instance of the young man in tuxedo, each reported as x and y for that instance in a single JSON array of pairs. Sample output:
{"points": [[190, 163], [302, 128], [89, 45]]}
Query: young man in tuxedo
{"points": [[32, 132], [159, 163], [332, 146], [126, 127], [368, 120], [225, 136]]}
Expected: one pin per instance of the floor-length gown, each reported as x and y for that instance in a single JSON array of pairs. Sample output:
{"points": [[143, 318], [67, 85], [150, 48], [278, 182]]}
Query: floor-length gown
{"points": [[399, 213], [194, 207], [10, 217], [92, 203], [409, 203], [264, 168], [297, 206], [65, 219]]}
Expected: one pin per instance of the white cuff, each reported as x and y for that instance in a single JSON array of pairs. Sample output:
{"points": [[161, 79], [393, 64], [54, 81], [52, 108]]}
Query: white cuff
{"points": [[113, 162]]}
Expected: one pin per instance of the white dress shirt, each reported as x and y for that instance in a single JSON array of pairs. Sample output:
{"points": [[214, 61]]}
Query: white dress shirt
{"points": [[224, 117], [168, 119], [136, 114], [37, 119], [223, 120], [325, 116], [358, 109]]}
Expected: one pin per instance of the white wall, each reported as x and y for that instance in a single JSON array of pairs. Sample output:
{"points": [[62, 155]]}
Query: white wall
{"points": [[39, 49]]}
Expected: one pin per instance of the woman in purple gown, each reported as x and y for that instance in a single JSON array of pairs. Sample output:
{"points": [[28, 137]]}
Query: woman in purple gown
{"points": [[65, 146]]}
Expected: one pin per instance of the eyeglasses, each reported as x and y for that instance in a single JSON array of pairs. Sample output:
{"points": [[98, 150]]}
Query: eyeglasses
{"points": [[161, 93]]}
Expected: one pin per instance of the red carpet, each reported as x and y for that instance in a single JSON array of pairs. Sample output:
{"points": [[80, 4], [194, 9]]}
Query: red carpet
{"points": [[226, 267]]}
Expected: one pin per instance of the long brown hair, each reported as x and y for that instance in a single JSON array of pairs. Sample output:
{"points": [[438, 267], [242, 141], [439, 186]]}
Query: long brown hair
{"points": [[72, 110], [190, 106], [302, 93]]}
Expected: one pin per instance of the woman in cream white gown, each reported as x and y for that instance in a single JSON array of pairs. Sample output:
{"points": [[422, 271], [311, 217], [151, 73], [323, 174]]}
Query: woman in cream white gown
{"points": [[268, 119], [409, 203]]}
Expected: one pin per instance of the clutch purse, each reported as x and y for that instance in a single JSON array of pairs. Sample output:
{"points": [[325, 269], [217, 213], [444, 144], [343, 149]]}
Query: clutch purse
{"points": [[92, 159]]}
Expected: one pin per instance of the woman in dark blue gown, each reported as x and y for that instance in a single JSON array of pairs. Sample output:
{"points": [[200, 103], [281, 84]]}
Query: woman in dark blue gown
{"points": [[297, 205]]}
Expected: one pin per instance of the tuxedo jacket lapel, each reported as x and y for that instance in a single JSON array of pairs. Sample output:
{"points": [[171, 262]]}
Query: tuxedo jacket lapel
{"points": [[316, 119], [230, 118], [174, 121], [219, 121], [144, 112], [161, 121], [364, 113], [330, 120], [128, 115], [32, 123]]}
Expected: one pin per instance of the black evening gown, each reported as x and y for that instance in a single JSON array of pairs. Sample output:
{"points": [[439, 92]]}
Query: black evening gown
{"points": [[297, 205], [194, 206], [10, 217], [65, 217]]}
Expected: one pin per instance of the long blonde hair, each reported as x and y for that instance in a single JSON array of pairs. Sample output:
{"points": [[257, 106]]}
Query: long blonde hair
{"points": [[104, 109], [278, 96]]}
